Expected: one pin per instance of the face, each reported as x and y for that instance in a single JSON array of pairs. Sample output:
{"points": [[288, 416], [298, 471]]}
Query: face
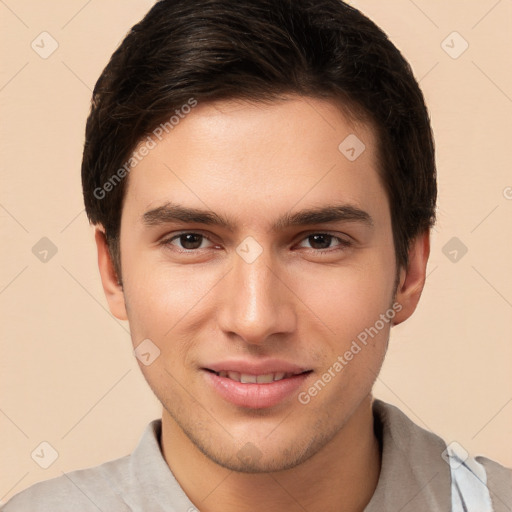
{"points": [[271, 302]]}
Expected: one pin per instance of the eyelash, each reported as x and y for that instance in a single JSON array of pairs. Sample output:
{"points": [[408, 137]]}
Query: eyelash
{"points": [[343, 243]]}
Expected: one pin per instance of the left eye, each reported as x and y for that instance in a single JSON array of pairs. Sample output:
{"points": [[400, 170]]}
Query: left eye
{"points": [[318, 241], [324, 240]]}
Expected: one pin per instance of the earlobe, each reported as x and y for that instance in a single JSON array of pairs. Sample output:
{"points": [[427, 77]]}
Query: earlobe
{"points": [[412, 279], [112, 288]]}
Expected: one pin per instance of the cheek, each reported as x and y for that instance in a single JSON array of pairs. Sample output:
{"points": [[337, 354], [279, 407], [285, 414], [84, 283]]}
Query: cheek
{"points": [[347, 299], [162, 299], [163, 306]]}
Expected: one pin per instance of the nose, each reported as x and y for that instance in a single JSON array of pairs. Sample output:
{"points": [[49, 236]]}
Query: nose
{"points": [[257, 303]]}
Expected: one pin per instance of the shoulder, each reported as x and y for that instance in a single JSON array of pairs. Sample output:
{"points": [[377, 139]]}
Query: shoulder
{"points": [[90, 489], [139, 481], [455, 473], [499, 483]]}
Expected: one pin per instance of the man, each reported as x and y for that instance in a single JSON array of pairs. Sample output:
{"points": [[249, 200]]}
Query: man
{"points": [[261, 176]]}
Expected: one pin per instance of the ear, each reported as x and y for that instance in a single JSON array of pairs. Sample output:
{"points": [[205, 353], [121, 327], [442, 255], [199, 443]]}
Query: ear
{"points": [[113, 290], [412, 279]]}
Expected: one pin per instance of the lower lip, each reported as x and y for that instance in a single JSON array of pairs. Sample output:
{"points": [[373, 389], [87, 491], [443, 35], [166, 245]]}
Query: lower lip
{"points": [[253, 395]]}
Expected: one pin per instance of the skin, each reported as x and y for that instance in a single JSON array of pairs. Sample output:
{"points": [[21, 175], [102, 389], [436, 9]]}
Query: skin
{"points": [[251, 163]]}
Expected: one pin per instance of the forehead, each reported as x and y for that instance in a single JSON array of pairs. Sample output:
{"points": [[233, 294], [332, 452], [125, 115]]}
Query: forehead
{"points": [[258, 157]]}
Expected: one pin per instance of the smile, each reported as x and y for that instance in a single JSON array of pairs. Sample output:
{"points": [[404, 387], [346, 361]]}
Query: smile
{"points": [[255, 391], [246, 378]]}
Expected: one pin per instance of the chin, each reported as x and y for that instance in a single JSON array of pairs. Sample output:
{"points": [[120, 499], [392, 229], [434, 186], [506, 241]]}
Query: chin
{"points": [[263, 454], [250, 459]]}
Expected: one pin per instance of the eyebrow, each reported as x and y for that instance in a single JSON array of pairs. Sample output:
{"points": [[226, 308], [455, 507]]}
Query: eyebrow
{"points": [[172, 212]]}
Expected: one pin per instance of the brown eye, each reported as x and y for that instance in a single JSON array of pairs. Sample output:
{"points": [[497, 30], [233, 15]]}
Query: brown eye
{"points": [[321, 242], [186, 241], [191, 240]]}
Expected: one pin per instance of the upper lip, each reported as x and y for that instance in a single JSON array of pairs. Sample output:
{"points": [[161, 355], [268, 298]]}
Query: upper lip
{"points": [[256, 367]]}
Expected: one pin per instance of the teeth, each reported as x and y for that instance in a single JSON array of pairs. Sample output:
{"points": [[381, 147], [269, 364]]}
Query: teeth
{"points": [[265, 379], [234, 376], [246, 378]]}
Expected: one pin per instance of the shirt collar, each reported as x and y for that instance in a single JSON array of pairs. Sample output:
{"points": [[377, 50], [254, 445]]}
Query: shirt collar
{"points": [[161, 492], [413, 476]]}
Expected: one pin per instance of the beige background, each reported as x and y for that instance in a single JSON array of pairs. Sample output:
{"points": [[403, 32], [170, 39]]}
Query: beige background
{"points": [[68, 376]]}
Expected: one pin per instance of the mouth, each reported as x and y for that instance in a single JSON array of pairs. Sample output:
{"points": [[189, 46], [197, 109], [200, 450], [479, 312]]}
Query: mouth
{"points": [[256, 390], [247, 378]]}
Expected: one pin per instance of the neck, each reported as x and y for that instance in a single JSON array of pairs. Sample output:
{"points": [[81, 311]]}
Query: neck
{"points": [[343, 475]]}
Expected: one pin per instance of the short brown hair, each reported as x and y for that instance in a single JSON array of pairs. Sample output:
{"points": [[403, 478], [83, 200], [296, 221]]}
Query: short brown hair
{"points": [[260, 50]]}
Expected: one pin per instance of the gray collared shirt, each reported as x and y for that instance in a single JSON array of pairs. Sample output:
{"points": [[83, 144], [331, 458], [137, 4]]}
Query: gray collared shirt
{"points": [[415, 476]]}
